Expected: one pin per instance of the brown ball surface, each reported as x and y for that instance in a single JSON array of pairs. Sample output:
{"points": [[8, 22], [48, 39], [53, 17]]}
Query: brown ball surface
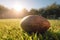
{"points": [[35, 23]]}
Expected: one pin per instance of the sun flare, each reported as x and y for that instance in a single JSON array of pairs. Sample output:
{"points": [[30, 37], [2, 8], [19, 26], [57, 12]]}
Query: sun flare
{"points": [[18, 7]]}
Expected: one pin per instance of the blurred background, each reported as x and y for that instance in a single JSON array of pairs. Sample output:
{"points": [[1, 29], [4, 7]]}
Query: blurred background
{"points": [[20, 8]]}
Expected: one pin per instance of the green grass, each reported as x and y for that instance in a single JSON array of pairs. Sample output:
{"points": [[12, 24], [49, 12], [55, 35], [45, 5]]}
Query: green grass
{"points": [[10, 30]]}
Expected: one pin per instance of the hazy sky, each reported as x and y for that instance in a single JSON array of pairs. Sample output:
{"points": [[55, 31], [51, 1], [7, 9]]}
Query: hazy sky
{"points": [[28, 3]]}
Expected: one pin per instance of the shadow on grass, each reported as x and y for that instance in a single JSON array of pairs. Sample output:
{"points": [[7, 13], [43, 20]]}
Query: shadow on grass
{"points": [[48, 35]]}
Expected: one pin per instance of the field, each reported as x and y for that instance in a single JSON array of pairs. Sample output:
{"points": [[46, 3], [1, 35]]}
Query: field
{"points": [[10, 30]]}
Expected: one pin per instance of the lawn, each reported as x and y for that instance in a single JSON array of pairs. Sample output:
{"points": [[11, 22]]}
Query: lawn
{"points": [[10, 30]]}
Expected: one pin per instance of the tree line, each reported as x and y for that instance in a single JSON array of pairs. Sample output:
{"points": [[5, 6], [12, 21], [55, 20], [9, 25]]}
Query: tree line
{"points": [[51, 12]]}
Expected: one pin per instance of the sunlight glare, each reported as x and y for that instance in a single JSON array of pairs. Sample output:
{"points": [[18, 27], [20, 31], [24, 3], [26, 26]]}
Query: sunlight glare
{"points": [[18, 7]]}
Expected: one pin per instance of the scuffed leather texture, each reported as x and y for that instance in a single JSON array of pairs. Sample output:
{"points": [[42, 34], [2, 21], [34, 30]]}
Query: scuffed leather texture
{"points": [[35, 23]]}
